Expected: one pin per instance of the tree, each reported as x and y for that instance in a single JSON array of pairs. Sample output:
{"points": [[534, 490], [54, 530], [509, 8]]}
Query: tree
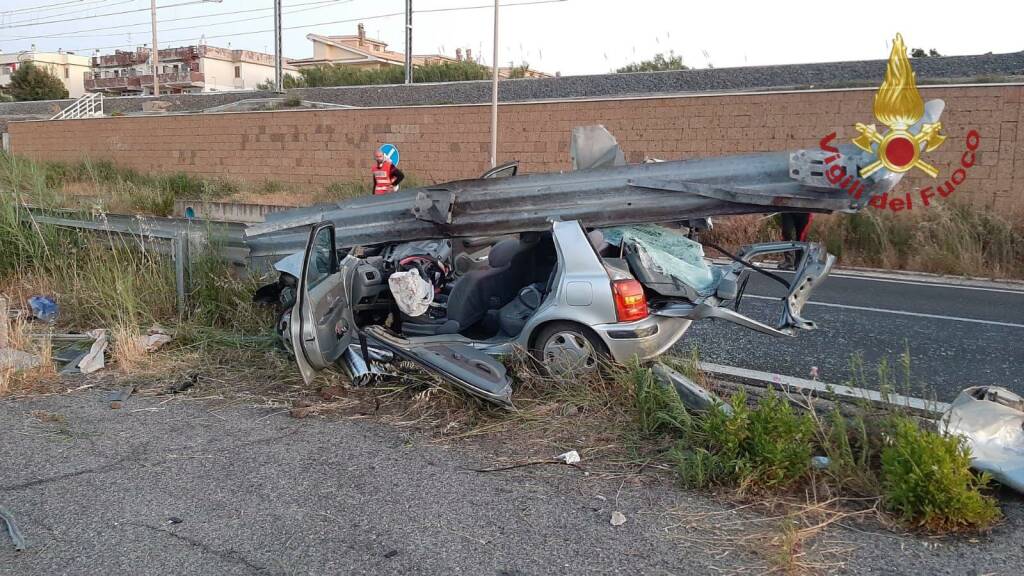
{"points": [[920, 53], [342, 75], [30, 82], [656, 64], [519, 71]]}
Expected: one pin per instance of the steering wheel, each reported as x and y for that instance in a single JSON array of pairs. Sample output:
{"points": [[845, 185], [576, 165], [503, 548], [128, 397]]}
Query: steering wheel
{"points": [[430, 269]]}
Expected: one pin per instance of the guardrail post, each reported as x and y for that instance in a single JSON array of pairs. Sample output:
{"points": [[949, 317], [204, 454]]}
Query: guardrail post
{"points": [[181, 269]]}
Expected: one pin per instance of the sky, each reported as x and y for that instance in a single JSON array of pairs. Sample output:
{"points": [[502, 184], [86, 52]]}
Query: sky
{"points": [[568, 36]]}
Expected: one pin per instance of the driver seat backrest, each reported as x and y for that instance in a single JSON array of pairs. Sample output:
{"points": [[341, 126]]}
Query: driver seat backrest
{"points": [[488, 288]]}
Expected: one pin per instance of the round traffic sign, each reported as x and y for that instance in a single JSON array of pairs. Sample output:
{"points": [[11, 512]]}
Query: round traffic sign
{"points": [[390, 152]]}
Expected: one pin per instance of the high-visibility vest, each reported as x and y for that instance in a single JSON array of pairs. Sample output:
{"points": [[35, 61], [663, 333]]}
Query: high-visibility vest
{"points": [[382, 178]]}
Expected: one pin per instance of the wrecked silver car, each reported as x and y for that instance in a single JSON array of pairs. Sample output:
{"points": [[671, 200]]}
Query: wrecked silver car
{"points": [[573, 267]]}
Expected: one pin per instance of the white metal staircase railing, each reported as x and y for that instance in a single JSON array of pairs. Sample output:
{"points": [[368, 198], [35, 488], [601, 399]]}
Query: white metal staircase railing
{"points": [[88, 105]]}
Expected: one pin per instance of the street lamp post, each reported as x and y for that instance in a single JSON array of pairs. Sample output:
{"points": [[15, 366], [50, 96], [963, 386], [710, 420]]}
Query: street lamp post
{"points": [[494, 93], [278, 68], [408, 41], [155, 58]]}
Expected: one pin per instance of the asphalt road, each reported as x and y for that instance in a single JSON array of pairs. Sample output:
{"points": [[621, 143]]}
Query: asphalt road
{"points": [[185, 487], [957, 335]]}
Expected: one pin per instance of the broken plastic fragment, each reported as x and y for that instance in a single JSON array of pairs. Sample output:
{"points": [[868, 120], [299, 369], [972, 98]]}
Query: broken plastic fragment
{"points": [[820, 462], [93, 361], [570, 457], [43, 308], [17, 360]]}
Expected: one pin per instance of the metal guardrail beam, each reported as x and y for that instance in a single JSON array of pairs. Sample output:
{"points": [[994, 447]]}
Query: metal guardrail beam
{"points": [[179, 235]]}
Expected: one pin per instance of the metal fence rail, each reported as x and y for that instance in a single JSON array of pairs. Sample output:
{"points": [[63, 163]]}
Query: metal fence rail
{"points": [[179, 237]]}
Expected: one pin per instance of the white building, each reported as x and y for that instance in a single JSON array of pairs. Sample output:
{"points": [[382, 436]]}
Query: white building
{"points": [[187, 69], [70, 68]]}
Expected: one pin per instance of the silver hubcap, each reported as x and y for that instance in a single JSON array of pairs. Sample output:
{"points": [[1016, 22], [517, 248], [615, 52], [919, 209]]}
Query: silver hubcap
{"points": [[569, 353]]}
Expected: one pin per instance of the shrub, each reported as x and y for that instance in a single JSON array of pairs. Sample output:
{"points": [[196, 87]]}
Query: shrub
{"points": [[927, 481], [658, 409], [768, 447], [31, 82]]}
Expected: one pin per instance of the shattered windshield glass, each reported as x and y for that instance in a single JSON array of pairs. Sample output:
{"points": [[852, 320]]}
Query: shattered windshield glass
{"points": [[666, 251]]}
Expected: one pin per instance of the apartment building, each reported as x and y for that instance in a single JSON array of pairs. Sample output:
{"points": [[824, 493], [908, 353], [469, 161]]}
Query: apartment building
{"points": [[187, 69], [69, 67], [360, 51]]}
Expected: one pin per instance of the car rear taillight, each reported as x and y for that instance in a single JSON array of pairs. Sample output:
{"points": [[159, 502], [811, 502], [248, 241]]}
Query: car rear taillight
{"points": [[630, 303]]}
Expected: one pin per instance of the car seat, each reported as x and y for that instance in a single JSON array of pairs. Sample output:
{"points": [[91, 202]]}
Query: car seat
{"points": [[477, 292]]}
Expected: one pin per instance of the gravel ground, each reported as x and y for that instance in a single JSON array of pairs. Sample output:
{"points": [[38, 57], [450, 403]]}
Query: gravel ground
{"points": [[184, 487]]}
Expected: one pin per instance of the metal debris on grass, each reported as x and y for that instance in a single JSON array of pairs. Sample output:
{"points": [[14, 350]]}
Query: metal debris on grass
{"points": [[991, 420], [12, 529]]}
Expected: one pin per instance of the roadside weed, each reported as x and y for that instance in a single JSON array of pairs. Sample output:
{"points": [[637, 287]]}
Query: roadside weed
{"points": [[927, 481]]}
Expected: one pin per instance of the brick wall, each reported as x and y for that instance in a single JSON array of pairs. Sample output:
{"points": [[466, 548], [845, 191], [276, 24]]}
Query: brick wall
{"points": [[449, 142]]}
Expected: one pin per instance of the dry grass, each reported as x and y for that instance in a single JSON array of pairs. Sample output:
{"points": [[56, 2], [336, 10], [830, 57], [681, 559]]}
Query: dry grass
{"points": [[128, 353], [782, 535], [949, 238], [19, 336]]}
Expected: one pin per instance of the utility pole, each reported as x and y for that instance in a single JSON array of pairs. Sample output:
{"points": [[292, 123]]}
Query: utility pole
{"points": [[408, 41], [155, 58], [494, 93], [278, 72]]}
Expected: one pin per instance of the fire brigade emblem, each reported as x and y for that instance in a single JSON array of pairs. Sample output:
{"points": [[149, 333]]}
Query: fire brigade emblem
{"points": [[899, 106]]}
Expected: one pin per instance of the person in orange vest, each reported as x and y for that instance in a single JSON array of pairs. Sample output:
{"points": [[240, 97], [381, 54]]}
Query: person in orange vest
{"points": [[386, 176]]}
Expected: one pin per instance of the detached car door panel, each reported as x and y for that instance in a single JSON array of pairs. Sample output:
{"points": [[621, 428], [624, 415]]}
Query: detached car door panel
{"points": [[468, 368]]}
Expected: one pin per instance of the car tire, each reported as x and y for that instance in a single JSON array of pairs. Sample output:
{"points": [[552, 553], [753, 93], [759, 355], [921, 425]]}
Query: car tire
{"points": [[284, 333], [568, 349]]}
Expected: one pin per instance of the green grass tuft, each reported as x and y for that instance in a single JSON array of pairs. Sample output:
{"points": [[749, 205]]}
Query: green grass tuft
{"points": [[927, 481]]}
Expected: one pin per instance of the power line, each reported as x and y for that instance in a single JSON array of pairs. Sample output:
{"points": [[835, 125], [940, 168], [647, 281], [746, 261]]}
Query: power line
{"points": [[19, 24], [345, 21], [31, 20], [49, 7], [318, 4], [52, 7]]}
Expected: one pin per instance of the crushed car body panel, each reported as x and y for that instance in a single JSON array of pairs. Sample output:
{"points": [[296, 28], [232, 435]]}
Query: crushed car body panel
{"points": [[991, 421]]}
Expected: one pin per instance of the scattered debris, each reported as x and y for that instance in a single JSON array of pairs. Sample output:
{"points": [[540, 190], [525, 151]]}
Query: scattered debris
{"points": [[331, 393], [570, 457], [17, 360], [117, 398], [44, 308], [12, 529], [93, 360], [301, 409], [693, 395], [44, 416], [183, 384], [991, 419], [618, 518], [820, 462], [174, 520], [391, 553], [154, 339]]}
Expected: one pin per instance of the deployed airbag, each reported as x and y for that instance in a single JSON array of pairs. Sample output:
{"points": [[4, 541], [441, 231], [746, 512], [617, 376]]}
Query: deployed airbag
{"points": [[411, 292]]}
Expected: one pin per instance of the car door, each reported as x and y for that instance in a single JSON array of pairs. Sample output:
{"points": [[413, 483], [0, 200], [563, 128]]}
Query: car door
{"points": [[472, 370], [321, 323]]}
